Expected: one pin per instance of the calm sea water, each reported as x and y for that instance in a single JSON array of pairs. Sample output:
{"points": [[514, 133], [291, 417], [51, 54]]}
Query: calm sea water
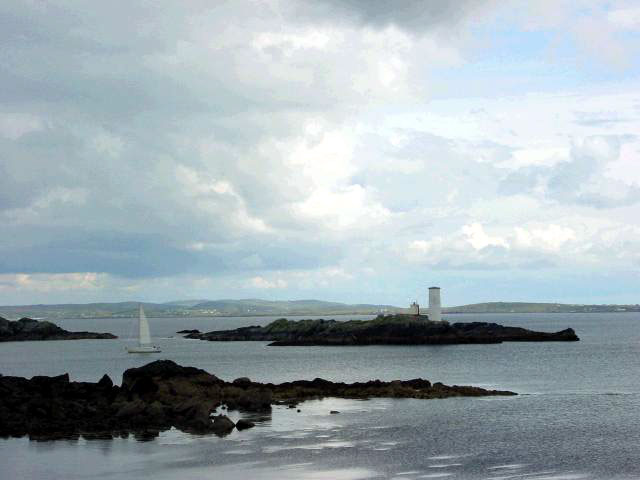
{"points": [[578, 415]]}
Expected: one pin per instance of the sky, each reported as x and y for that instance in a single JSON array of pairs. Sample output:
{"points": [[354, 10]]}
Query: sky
{"points": [[342, 150]]}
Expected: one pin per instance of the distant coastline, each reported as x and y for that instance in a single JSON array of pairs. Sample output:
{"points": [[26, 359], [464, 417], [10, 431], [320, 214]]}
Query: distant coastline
{"points": [[531, 307], [266, 308]]}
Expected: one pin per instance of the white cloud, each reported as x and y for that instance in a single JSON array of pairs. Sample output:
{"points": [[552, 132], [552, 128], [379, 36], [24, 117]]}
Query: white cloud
{"points": [[309, 38], [625, 18], [40, 282], [347, 207], [537, 155], [107, 144], [584, 242], [551, 237], [15, 125], [479, 239], [304, 280], [263, 283]]}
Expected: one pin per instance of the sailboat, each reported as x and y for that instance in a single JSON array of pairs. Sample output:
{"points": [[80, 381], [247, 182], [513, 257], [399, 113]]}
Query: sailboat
{"points": [[144, 336]]}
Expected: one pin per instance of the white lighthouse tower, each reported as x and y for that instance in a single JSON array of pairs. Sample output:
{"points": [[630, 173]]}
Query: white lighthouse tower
{"points": [[435, 309]]}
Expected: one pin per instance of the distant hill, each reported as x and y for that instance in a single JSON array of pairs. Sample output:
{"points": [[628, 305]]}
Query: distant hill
{"points": [[292, 307], [193, 308], [527, 307], [257, 307]]}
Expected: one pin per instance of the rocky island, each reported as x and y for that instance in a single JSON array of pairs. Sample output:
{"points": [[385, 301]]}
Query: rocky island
{"points": [[163, 394], [27, 329], [397, 329]]}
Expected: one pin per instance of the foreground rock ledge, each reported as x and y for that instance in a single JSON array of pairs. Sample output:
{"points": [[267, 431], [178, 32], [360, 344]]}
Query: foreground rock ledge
{"points": [[27, 329], [163, 394], [396, 329]]}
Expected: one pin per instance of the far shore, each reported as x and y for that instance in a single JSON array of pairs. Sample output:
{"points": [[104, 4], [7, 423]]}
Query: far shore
{"points": [[303, 315]]}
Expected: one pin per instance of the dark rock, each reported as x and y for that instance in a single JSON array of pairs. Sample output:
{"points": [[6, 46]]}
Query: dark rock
{"points": [[242, 382], [163, 394], [334, 412], [27, 329], [244, 424], [164, 370], [131, 409], [189, 331], [49, 382], [256, 399], [198, 418], [144, 386], [398, 329], [222, 425], [105, 382]]}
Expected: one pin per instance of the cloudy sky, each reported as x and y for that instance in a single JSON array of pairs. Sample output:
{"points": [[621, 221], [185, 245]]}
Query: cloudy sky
{"points": [[345, 150]]}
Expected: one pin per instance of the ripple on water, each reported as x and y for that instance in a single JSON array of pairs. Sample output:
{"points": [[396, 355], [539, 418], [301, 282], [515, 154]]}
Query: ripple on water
{"points": [[239, 452], [510, 473], [300, 471], [445, 457], [563, 476], [311, 446], [512, 466]]}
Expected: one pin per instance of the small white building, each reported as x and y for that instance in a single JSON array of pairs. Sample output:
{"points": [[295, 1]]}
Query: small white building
{"points": [[414, 309]]}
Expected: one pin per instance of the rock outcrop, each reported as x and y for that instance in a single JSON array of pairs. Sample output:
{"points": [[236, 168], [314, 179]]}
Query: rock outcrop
{"points": [[27, 329], [397, 329], [163, 394]]}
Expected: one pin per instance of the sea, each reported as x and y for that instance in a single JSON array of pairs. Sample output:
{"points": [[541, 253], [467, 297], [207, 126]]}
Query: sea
{"points": [[577, 415]]}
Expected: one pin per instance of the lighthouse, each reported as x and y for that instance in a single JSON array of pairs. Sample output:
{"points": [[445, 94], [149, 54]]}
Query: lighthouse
{"points": [[435, 310]]}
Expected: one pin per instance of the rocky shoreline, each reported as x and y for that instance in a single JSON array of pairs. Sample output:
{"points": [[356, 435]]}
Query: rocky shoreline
{"points": [[399, 329], [163, 394], [27, 329]]}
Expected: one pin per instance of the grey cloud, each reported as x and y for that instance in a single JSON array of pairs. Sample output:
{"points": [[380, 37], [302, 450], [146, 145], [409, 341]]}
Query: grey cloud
{"points": [[120, 254], [136, 217], [627, 195], [131, 255], [599, 119], [427, 169], [455, 255], [412, 15], [578, 180], [523, 180]]}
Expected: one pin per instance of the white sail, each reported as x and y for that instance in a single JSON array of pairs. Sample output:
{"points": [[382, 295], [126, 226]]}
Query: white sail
{"points": [[143, 324], [144, 336]]}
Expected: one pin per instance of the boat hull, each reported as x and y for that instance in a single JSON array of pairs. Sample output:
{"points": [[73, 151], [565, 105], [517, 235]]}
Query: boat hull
{"points": [[144, 349]]}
